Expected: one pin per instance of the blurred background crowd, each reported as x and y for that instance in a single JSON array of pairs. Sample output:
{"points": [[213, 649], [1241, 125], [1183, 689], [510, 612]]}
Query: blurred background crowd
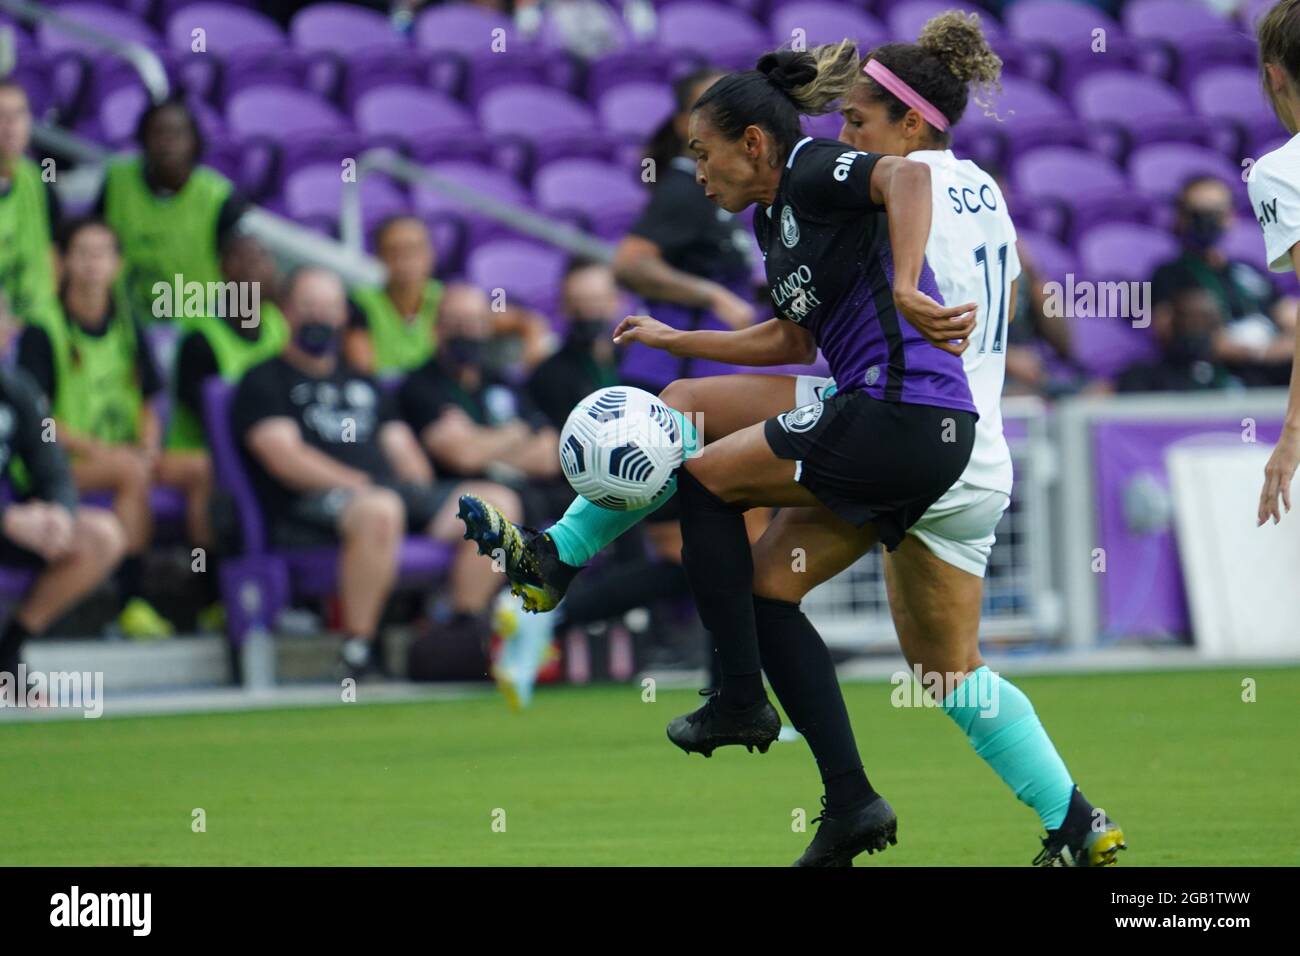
{"points": [[1123, 163]]}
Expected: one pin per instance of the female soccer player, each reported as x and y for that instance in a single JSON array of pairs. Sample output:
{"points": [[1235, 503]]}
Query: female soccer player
{"points": [[1274, 187], [935, 575]]}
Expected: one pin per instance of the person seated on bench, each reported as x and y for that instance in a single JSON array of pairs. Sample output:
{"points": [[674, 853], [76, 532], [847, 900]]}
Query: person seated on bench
{"points": [[92, 360], [331, 462], [72, 549]]}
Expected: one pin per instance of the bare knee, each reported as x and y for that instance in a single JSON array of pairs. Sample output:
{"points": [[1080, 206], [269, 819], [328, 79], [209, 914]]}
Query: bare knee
{"points": [[376, 516], [100, 535], [680, 394]]}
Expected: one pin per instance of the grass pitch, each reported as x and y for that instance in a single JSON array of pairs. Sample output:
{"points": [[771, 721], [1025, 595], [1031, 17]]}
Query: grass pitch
{"points": [[586, 777]]}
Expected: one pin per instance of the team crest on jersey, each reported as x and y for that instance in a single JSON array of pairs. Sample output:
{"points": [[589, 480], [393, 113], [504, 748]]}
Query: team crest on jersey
{"points": [[789, 228], [802, 418]]}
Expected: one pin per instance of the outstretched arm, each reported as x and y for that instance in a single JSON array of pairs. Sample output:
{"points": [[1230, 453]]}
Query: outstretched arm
{"points": [[774, 342]]}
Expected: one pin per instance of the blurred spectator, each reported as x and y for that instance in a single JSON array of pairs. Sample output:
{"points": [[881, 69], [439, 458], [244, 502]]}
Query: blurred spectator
{"points": [[1188, 361], [169, 212], [470, 421], [29, 213], [94, 363], [686, 257], [71, 549], [585, 362], [1259, 331], [392, 328], [225, 346], [331, 462], [1039, 358]]}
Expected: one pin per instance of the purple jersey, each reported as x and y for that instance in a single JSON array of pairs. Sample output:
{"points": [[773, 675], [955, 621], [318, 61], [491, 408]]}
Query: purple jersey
{"points": [[830, 269]]}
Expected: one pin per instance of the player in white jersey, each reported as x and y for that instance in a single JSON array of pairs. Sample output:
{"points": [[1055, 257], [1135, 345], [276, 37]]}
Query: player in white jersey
{"points": [[1274, 186]]}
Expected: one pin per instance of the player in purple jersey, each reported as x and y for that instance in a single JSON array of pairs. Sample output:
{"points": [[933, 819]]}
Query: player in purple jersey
{"points": [[935, 575]]}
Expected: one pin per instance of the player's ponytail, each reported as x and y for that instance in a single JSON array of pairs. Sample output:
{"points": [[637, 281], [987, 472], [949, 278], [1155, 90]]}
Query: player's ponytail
{"points": [[1279, 45], [783, 85], [950, 60]]}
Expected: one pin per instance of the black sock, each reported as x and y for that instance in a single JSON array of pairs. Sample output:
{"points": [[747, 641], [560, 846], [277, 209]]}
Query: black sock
{"points": [[802, 675], [720, 568], [11, 645]]}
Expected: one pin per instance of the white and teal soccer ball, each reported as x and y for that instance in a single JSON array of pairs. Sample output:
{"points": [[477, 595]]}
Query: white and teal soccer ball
{"points": [[620, 447]]}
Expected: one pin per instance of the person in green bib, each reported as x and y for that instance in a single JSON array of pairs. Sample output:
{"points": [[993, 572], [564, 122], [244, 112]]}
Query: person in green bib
{"points": [[392, 328], [29, 213], [224, 346], [93, 362], [169, 212]]}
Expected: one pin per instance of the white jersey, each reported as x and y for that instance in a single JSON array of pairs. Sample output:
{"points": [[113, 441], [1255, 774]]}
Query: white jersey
{"points": [[972, 251], [1274, 186]]}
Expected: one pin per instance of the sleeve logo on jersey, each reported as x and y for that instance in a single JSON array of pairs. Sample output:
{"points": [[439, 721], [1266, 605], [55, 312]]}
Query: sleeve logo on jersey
{"points": [[801, 419], [1267, 213], [789, 228], [844, 163]]}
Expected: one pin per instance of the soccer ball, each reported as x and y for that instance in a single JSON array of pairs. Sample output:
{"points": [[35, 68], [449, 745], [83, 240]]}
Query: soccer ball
{"points": [[620, 447]]}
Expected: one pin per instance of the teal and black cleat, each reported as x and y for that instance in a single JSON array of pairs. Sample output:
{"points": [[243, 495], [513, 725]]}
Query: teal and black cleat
{"points": [[713, 725], [532, 565], [1087, 837]]}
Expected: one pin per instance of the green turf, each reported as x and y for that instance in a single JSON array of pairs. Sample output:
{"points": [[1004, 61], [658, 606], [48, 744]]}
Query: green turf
{"points": [[586, 776]]}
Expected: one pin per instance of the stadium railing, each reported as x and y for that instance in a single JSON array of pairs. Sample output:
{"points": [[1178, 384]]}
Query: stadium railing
{"points": [[144, 61]]}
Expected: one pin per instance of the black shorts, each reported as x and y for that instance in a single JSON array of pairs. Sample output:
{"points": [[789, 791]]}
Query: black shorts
{"points": [[874, 461], [312, 520]]}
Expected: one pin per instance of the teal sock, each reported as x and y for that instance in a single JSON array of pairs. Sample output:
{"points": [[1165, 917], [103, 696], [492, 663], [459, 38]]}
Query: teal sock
{"points": [[588, 528], [1001, 725]]}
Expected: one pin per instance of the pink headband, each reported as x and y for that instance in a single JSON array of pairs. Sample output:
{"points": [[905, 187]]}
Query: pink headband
{"points": [[890, 81]]}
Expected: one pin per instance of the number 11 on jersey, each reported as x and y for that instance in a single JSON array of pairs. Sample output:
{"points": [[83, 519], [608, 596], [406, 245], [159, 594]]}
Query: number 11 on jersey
{"points": [[982, 258]]}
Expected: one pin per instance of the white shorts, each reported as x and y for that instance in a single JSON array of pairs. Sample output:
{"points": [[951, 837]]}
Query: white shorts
{"points": [[959, 527]]}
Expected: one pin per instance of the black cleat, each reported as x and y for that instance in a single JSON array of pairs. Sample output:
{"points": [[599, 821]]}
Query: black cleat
{"points": [[532, 564], [842, 836], [714, 725], [1087, 837]]}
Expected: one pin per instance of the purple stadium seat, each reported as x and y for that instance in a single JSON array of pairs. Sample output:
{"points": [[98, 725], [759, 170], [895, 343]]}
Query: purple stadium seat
{"points": [[1051, 259], [1144, 108], [548, 122], [259, 582], [435, 205], [529, 273], [227, 28], [342, 28], [1078, 182], [463, 28], [824, 22], [1125, 251], [413, 118], [120, 111], [105, 19], [1160, 170], [607, 197], [1026, 115], [827, 125], [1244, 242], [165, 8], [301, 126], [906, 19], [635, 110], [716, 33], [313, 195], [1234, 95], [1201, 36], [636, 65], [1067, 28]]}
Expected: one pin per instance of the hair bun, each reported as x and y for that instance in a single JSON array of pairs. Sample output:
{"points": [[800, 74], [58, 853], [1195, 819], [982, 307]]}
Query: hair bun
{"points": [[787, 69]]}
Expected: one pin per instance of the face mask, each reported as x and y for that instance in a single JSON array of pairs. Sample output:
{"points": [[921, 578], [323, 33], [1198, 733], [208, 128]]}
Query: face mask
{"points": [[316, 338], [1203, 229], [583, 335], [462, 351]]}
